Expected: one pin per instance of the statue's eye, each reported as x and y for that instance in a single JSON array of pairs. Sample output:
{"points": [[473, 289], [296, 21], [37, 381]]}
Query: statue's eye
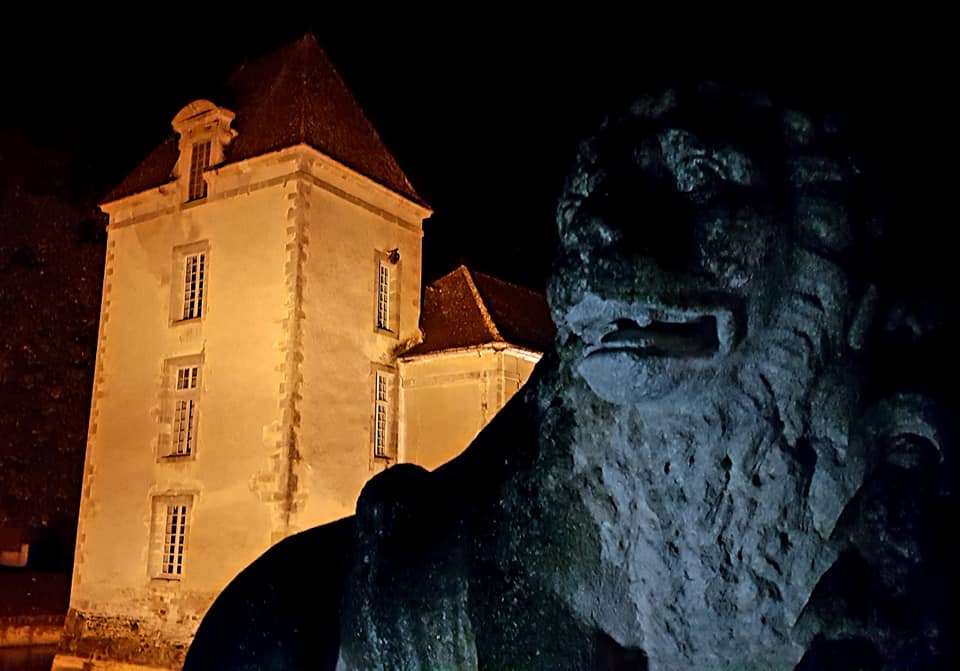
{"points": [[701, 170]]}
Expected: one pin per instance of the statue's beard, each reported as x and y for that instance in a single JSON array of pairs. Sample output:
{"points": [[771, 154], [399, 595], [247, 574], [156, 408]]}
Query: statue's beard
{"points": [[690, 499]]}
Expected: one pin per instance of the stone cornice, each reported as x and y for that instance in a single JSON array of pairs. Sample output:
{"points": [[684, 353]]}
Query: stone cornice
{"points": [[230, 179]]}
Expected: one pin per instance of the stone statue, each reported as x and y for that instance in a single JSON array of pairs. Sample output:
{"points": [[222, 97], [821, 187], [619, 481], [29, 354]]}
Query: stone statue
{"points": [[700, 477]]}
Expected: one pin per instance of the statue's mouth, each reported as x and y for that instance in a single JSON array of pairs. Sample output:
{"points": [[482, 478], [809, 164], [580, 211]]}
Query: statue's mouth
{"points": [[663, 332], [695, 337], [638, 352]]}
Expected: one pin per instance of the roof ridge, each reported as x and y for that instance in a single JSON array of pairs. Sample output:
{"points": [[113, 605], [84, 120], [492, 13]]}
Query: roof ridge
{"points": [[510, 284], [481, 304]]}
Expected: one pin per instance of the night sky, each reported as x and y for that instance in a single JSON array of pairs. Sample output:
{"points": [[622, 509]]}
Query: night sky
{"points": [[482, 111]]}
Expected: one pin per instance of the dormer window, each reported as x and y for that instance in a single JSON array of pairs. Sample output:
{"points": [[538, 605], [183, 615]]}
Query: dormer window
{"points": [[205, 132], [199, 160]]}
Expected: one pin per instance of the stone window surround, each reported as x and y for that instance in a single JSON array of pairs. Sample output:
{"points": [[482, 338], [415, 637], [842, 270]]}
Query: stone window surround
{"points": [[169, 449], [383, 414]]}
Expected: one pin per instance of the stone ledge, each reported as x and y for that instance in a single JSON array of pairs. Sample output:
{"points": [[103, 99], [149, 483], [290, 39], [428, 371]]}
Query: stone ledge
{"points": [[20, 630], [74, 663]]}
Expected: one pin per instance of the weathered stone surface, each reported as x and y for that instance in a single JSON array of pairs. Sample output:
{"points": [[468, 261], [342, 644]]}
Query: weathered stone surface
{"points": [[700, 477]]}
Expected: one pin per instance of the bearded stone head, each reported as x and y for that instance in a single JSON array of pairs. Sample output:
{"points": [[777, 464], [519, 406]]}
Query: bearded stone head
{"points": [[685, 226], [712, 298]]}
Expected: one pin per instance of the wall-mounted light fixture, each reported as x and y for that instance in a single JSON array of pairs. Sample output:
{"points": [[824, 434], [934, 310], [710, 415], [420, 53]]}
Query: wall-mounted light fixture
{"points": [[394, 255]]}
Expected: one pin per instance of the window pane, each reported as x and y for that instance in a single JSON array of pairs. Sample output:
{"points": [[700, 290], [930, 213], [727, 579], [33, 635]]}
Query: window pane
{"points": [[383, 296], [193, 281], [174, 542], [381, 387]]}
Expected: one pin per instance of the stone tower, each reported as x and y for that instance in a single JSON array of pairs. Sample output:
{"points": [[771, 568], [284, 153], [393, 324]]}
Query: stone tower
{"points": [[263, 271]]}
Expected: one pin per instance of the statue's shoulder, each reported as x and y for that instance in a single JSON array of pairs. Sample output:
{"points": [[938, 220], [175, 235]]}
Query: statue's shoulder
{"points": [[282, 611]]}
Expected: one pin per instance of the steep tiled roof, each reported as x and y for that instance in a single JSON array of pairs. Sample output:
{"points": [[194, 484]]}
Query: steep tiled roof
{"points": [[291, 96], [522, 316], [466, 308]]}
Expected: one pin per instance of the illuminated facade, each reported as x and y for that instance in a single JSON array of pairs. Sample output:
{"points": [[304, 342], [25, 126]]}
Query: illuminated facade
{"points": [[262, 285]]}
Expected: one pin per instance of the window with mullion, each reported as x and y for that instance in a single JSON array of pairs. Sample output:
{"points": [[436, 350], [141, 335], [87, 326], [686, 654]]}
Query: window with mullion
{"points": [[182, 402], [383, 296], [184, 411], [193, 285], [173, 541], [382, 415]]}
